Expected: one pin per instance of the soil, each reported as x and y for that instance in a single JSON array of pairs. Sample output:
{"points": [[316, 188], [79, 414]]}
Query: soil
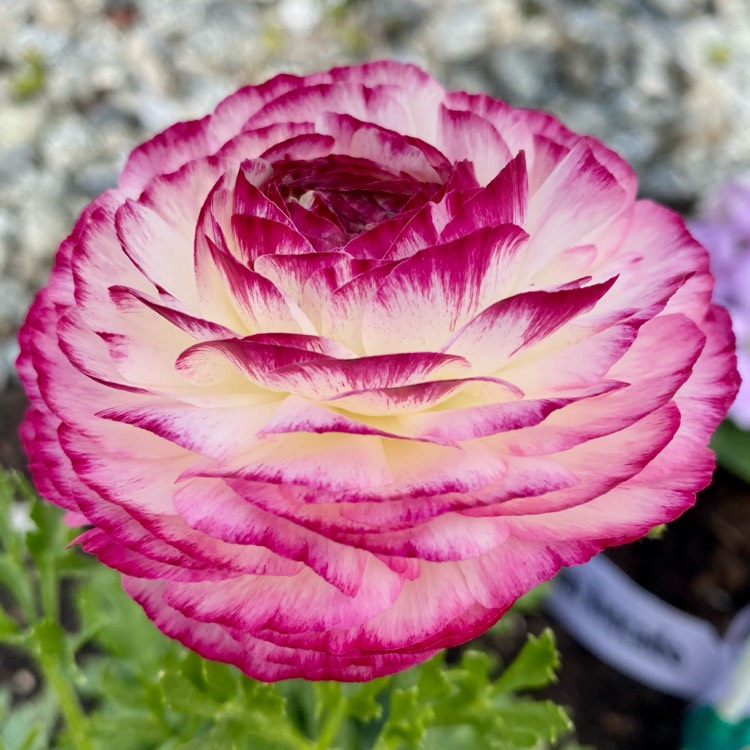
{"points": [[12, 406], [701, 565]]}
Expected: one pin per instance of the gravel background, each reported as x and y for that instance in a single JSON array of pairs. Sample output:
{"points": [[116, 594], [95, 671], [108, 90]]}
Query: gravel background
{"points": [[83, 81], [664, 82]]}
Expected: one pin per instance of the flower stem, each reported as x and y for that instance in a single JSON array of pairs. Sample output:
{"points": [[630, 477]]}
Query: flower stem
{"points": [[51, 650], [332, 725], [70, 707]]}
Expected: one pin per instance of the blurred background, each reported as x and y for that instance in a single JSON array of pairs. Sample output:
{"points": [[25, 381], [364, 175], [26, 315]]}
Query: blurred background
{"points": [[664, 82]]}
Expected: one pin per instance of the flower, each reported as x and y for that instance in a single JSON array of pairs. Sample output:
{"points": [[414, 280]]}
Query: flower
{"points": [[723, 226], [341, 370]]}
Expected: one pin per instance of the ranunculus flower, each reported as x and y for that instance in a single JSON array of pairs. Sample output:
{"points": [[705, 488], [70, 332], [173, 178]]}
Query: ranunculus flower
{"points": [[341, 370], [723, 226]]}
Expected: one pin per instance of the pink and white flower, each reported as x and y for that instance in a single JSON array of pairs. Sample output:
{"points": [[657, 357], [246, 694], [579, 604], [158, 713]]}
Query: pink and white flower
{"points": [[341, 370]]}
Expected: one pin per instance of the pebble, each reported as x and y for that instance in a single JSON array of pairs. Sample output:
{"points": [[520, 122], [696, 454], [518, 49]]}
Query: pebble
{"points": [[68, 145], [24, 681], [461, 33], [522, 72], [20, 124], [299, 16], [82, 82], [14, 301]]}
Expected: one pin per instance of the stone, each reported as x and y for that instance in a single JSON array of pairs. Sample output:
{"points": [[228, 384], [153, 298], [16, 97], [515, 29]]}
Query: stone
{"points": [[522, 72], [458, 33], [20, 123], [299, 16], [68, 144], [14, 300]]}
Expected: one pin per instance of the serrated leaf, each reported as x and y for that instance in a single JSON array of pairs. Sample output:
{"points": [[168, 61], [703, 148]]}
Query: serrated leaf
{"points": [[124, 731], [120, 684], [452, 738], [406, 724], [245, 737], [263, 697], [221, 681], [179, 694], [328, 697], [543, 720], [432, 680], [534, 666], [476, 665], [467, 698], [216, 738], [363, 704]]}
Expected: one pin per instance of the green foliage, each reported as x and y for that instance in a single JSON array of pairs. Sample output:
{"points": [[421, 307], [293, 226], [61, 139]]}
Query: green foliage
{"points": [[657, 532], [446, 708], [30, 77], [732, 446], [113, 682]]}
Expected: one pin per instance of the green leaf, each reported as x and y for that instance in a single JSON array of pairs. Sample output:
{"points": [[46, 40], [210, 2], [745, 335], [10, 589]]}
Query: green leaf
{"points": [[533, 601], [732, 446], [217, 738], [657, 532], [114, 730], [432, 680], [180, 695], [300, 705], [534, 666], [117, 623], [406, 724], [11, 537], [49, 538], [15, 577], [8, 626], [263, 697], [221, 680], [29, 726], [363, 703], [542, 720]]}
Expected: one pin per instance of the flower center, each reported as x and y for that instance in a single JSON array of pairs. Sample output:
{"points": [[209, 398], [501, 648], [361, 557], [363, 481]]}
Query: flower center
{"points": [[352, 194]]}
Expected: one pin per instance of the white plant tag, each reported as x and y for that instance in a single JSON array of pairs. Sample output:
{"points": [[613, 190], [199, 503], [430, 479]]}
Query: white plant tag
{"points": [[729, 690], [636, 632]]}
